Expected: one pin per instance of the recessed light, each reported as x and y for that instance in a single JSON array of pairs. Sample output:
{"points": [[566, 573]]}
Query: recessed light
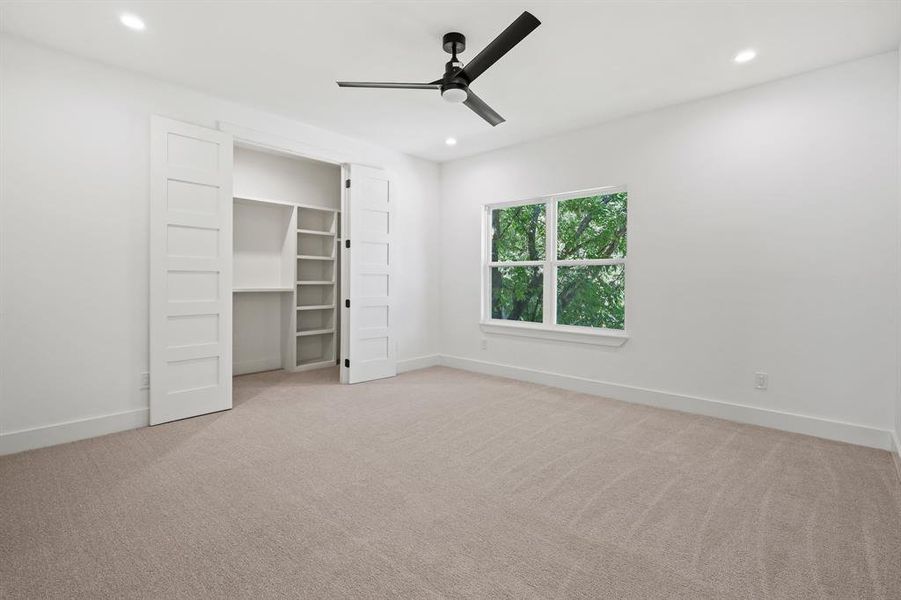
{"points": [[133, 22], [745, 56], [451, 141]]}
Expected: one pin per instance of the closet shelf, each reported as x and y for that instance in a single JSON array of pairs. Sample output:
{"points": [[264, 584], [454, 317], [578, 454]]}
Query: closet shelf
{"points": [[320, 208], [316, 282], [314, 257], [316, 307], [316, 232], [315, 363], [315, 332], [256, 200], [258, 290]]}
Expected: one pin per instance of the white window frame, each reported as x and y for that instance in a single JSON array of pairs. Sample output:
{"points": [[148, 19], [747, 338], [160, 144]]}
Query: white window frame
{"points": [[548, 328]]}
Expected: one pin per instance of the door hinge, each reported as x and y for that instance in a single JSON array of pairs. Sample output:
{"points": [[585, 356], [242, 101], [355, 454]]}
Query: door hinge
{"points": [[347, 303], [346, 183], [347, 243], [347, 362]]}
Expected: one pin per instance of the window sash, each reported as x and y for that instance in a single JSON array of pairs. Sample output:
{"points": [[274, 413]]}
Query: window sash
{"points": [[576, 262], [549, 264]]}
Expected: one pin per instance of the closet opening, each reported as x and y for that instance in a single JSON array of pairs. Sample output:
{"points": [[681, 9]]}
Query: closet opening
{"points": [[286, 262]]}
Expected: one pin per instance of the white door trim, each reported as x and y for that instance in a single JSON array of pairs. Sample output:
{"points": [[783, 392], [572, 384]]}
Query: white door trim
{"points": [[263, 140]]}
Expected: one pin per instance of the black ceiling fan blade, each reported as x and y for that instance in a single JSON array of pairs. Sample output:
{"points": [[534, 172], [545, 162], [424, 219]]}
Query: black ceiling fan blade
{"points": [[503, 43], [479, 107], [389, 85]]}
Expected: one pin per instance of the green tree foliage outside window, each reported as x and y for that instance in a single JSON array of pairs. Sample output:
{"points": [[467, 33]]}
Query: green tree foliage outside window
{"points": [[517, 293], [591, 228], [518, 234], [592, 296]]}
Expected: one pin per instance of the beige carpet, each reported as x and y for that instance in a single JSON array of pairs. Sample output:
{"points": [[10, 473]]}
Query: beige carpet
{"points": [[445, 484]]}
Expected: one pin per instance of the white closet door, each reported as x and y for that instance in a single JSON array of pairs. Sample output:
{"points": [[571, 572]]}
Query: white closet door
{"points": [[368, 330], [190, 270]]}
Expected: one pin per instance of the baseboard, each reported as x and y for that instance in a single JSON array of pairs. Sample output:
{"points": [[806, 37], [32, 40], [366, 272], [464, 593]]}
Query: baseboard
{"points": [[896, 454], [257, 366], [70, 431], [80, 429], [795, 423], [420, 362]]}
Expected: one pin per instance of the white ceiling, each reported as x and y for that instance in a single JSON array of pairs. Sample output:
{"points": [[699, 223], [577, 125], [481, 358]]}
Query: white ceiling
{"points": [[588, 62]]}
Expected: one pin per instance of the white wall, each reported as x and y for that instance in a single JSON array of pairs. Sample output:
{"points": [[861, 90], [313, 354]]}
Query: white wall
{"points": [[762, 236], [74, 243], [271, 176], [898, 395]]}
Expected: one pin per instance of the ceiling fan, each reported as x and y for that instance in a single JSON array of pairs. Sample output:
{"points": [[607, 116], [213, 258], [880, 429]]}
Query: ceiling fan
{"points": [[454, 85]]}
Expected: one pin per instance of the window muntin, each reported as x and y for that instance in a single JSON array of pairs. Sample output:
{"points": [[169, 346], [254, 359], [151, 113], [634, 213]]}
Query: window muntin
{"points": [[560, 261]]}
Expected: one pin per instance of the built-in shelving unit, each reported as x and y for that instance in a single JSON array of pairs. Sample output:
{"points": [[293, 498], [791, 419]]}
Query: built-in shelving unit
{"points": [[316, 314], [285, 285], [286, 262], [263, 284]]}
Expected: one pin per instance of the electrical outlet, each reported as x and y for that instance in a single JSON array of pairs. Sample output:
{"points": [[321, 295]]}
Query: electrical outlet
{"points": [[761, 380], [484, 344], [144, 381]]}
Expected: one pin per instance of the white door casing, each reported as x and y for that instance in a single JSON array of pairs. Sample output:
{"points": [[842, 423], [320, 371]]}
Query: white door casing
{"points": [[190, 270], [367, 326]]}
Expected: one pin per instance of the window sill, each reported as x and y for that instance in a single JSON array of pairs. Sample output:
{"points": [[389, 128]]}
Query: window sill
{"points": [[560, 333]]}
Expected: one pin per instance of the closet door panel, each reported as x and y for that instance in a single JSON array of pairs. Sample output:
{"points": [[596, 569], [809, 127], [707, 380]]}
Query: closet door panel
{"points": [[368, 283], [190, 271]]}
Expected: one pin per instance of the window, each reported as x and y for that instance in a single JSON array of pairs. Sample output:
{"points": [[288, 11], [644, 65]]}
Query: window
{"points": [[558, 264]]}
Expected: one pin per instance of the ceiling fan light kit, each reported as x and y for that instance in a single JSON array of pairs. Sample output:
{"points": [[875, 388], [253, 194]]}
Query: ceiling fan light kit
{"points": [[454, 93], [454, 85]]}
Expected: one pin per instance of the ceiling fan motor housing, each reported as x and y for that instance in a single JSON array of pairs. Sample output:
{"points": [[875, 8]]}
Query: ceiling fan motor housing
{"points": [[453, 88]]}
